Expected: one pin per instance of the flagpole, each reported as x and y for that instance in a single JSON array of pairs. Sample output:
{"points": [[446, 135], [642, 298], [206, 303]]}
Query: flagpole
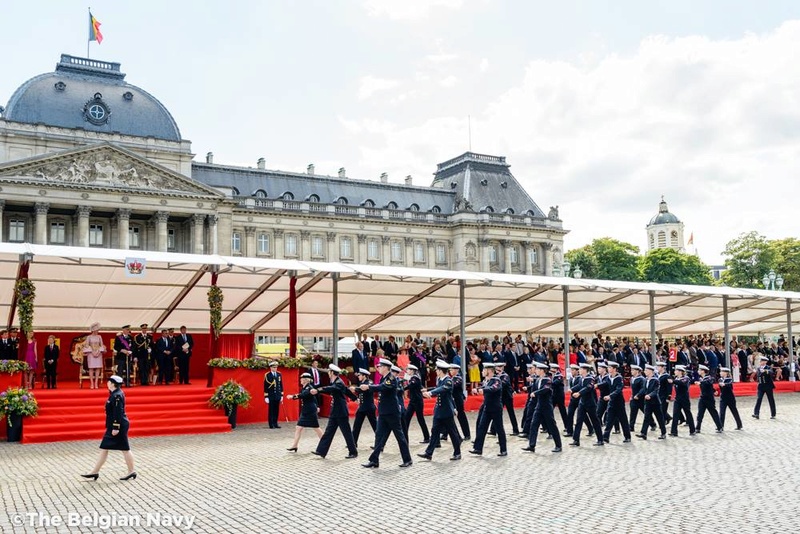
{"points": [[89, 40]]}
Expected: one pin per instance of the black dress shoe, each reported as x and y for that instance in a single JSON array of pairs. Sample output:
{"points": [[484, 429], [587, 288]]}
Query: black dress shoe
{"points": [[615, 432], [370, 465], [502, 453], [557, 449], [738, 428], [598, 444], [439, 446], [529, 449], [626, 440], [292, 449], [697, 431], [277, 426], [641, 436], [467, 438], [694, 432], [574, 444], [129, 476], [755, 416], [315, 453], [455, 457], [92, 476], [673, 434], [523, 436], [719, 431], [424, 455], [772, 417], [662, 436], [473, 451], [406, 464], [425, 441], [351, 456]]}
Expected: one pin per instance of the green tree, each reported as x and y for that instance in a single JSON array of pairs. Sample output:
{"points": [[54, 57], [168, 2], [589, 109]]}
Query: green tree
{"points": [[584, 259], [747, 258], [668, 266], [786, 261], [606, 259]]}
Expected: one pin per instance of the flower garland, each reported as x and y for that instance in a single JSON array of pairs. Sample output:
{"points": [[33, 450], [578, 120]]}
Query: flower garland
{"points": [[215, 309], [26, 294]]}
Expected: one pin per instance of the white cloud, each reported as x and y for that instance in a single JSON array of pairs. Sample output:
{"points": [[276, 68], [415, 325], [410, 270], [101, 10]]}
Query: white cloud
{"points": [[408, 9], [450, 81], [369, 85], [484, 65], [712, 125]]}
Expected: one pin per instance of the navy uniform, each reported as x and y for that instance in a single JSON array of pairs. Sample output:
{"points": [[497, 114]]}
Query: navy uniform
{"points": [[308, 405], [415, 404], [558, 392], [664, 389], [530, 402], [444, 413], [707, 401], [765, 376], [682, 406], [727, 400], [492, 412], [543, 413], [400, 394], [637, 399], [574, 387], [603, 386], [366, 406], [273, 393], [389, 420], [652, 405], [616, 406], [458, 400], [508, 396], [587, 408], [340, 415], [141, 353]]}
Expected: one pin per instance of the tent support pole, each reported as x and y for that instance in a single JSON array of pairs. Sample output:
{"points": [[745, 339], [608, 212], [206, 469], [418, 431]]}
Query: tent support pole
{"points": [[565, 299], [726, 332], [653, 338], [790, 340], [335, 342], [462, 311]]}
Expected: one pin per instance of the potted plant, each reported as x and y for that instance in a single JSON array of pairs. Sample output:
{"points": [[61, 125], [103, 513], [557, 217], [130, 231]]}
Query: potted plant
{"points": [[229, 396], [15, 403]]}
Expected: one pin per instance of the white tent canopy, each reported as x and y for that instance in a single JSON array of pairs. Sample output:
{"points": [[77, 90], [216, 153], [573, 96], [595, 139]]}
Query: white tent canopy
{"points": [[76, 286]]}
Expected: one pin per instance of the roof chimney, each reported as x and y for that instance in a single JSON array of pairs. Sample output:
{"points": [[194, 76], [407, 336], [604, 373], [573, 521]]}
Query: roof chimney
{"points": [[210, 157], [408, 180], [310, 169], [384, 178], [341, 172], [262, 164]]}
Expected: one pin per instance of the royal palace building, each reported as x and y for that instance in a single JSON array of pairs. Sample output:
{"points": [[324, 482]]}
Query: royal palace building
{"points": [[87, 159]]}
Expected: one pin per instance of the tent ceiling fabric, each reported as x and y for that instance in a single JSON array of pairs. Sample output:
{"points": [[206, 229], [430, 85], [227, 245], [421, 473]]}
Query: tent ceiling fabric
{"points": [[76, 286]]}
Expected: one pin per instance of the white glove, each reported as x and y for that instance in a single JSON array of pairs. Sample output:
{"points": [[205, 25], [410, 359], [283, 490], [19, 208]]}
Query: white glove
{"points": [[266, 399]]}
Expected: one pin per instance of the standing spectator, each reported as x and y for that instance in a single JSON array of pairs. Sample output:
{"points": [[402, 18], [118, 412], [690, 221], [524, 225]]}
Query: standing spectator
{"points": [[32, 359], [185, 346], [51, 353]]}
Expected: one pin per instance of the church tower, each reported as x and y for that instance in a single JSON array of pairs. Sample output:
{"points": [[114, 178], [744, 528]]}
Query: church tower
{"points": [[665, 230]]}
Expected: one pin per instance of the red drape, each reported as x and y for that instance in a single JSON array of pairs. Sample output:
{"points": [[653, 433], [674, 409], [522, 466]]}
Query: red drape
{"points": [[293, 317]]}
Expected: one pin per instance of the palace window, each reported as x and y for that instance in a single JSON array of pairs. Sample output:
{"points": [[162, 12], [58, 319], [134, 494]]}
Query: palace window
{"points": [[16, 230], [95, 235], [263, 243], [317, 247], [397, 251], [419, 253], [346, 248], [373, 250], [236, 242], [57, 233], [492, 253], [534, 256], [170, 238], [514, 254], [133, 237], [290, 245], [441, 254]]}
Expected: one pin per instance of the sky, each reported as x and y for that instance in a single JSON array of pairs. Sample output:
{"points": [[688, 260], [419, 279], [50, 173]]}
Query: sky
{"points": [[599, 107]]}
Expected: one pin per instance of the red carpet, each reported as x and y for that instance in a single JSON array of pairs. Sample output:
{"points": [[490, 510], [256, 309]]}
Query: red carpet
{"points": [[69, 413]]}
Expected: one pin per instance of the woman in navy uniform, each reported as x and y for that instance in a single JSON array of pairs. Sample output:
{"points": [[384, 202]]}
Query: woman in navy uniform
{"points": [[443, 413], [116, 436], [766, 384], [308, 411], [339, 417], [366, 406], [707, 401], [727, 400]]}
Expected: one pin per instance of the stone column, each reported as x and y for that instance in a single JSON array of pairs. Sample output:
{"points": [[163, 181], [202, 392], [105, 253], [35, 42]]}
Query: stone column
{"points": [[361, 255], [82, 216], [279, 248], [41, 209], [197, 222], [484, 255], [224, 230], [249, 241], [528, 248], [546, 269], [431, 253], [408, 260], [2, 208], [305, 245], [333, 254], [160, 218], [386, 253], [213, 235], [123, 228], [507, 256]]}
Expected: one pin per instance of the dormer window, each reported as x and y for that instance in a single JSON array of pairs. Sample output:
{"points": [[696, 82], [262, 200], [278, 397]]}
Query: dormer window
{"points": [[341, 200], [287, 196], [312, 198], [369, 203], [413, 207], [510, 211], [436, 209], [260, 194], [391, 205], [488, 209]]}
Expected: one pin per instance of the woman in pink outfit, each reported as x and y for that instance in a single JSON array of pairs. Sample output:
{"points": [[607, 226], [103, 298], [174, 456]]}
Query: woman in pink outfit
{"points": [[93, 351], [376, 359], [32, 359]]}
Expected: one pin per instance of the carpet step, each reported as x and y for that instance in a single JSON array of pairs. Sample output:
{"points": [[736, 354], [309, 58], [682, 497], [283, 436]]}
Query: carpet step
{"points": [[96, 435], [178, 409], [77, 424]]}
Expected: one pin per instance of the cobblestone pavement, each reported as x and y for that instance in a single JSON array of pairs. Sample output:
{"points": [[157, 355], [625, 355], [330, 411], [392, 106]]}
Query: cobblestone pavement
{"points": [[246, 481]]}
